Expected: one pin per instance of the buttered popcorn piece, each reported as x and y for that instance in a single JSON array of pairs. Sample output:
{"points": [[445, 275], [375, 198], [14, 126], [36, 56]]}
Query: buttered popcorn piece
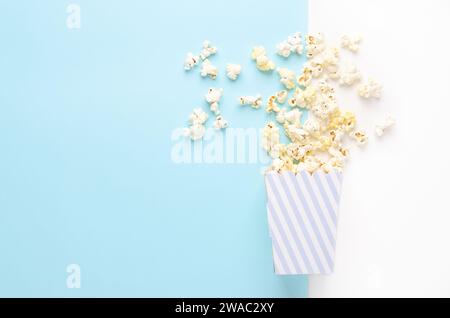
{"points": [[220, 123], [233, 71], [305, 78], [213, 97], [263, 63], [360, 136], [272, 105], [282, 96], [349, 75], [319, 144], [315, 44], [371, 89], [190, 61], [293, 44], [270, 136], [385, 124], [208, 69], [207, 50], [287, 77], [351, 43], [253, 101]]}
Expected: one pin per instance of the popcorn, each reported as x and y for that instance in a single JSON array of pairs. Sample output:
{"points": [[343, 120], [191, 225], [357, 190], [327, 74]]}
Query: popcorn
{"points": [[291, 117], [385, 124], [342, 121], [325, 61], [233, 71], [277, 151], [198, 116], [306, 77], [270, 137], [190, 62], [282, 96], [262, 61], [296, 134], [207, 50], [319, 144], [220, 123], [213, 97], [272, 104], [298, 152], [312, 164], [292, 45], [195, 132], [287, 77], [360, 136], [303, 98], [254, 101], [371, 89], [349, 75], [312, 125], [209, 70], [315, 44], [351, 43], [197, 119]]}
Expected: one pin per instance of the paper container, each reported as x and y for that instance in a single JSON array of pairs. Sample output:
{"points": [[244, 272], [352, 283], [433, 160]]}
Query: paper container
{"points": [[302, 214]]}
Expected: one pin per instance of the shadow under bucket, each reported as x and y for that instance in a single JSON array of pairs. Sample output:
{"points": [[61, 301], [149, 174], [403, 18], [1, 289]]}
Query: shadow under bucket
{"points": [[303, 213]]}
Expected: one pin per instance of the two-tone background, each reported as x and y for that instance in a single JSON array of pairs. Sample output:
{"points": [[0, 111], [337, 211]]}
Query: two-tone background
{"points": [[90, 193]]}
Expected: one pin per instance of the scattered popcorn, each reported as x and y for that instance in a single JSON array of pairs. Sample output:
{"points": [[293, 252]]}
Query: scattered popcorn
{"points": [[371, 89], [207, 50], [254, 101], [360, 136], [349, 75], [272, 105], [233, 71], [292, 45], [262, 61], [287, 77], [386, 123], [190, 62], [282, 96], [220, 123], [209, 70], [351, 43], [213, 97], [320, 143]]}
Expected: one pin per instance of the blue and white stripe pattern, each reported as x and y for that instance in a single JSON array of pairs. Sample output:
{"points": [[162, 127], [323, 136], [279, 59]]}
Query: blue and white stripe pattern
{"points": [[302, 211]]}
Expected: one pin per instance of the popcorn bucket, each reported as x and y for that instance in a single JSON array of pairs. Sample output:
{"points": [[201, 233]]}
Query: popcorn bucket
{"points": [[302, 215]]}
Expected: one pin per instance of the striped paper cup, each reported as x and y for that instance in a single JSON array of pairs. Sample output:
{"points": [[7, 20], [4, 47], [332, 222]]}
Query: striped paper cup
{"points": [[302, 211]]}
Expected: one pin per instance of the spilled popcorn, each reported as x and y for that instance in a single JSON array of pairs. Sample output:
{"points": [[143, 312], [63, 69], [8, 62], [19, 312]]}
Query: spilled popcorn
{"points": [[318, 141]]}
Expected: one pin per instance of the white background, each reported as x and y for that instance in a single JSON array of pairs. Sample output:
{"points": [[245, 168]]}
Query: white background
{"points": [[394, 226]]}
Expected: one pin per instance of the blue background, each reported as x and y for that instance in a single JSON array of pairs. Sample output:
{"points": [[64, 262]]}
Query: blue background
{"points": [[86, 175]]}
